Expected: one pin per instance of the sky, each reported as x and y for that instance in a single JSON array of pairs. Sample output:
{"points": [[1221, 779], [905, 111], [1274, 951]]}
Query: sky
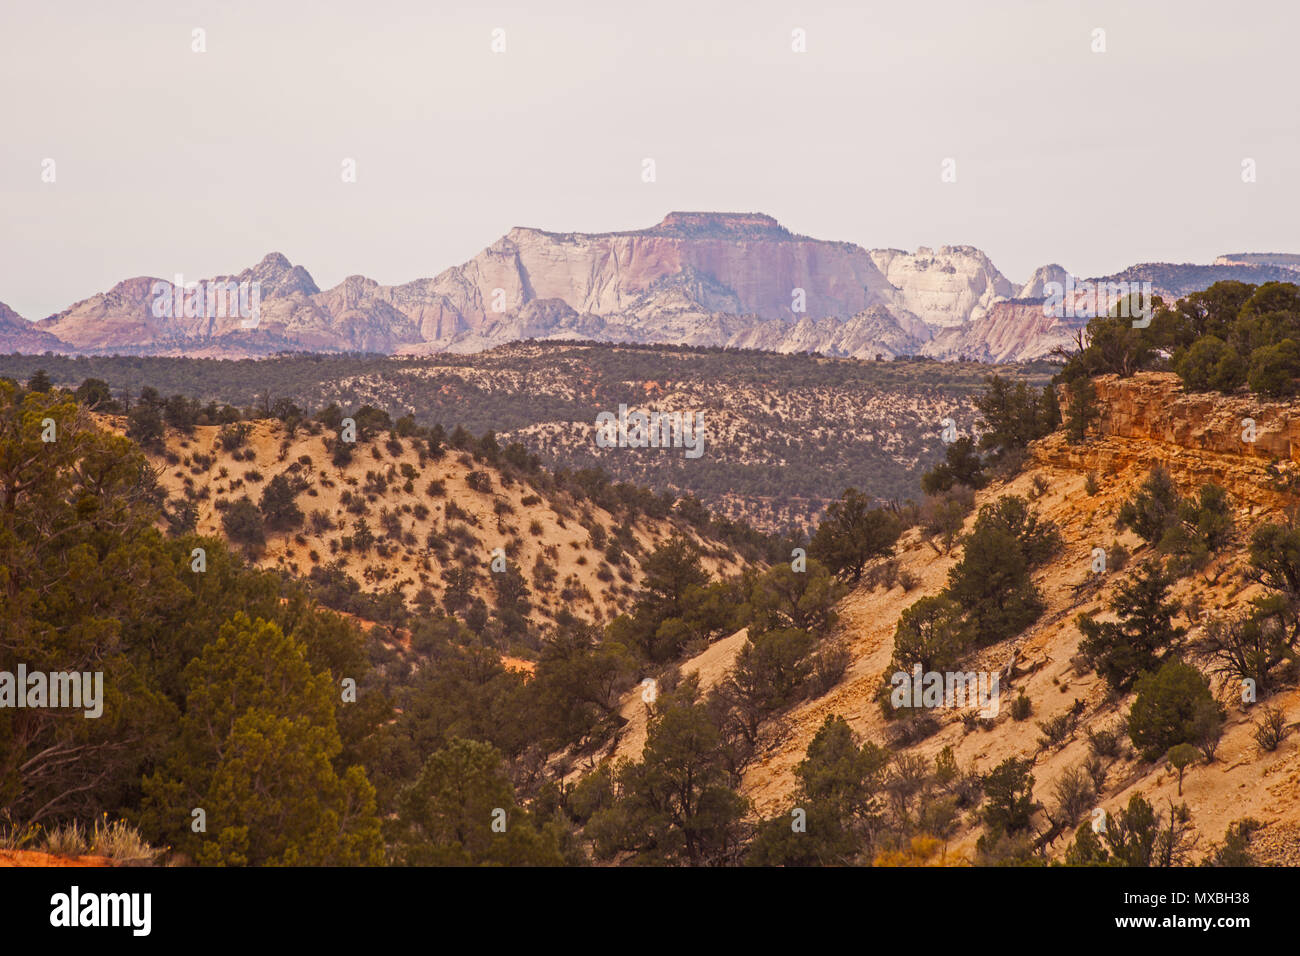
{"points": [[167, 160]]}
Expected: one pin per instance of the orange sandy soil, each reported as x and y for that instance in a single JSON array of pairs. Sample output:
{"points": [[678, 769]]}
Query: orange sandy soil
{"points": [[37, 858]]}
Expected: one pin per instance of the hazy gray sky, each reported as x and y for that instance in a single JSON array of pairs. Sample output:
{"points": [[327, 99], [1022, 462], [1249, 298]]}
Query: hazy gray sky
{"points": [[172, 161]]}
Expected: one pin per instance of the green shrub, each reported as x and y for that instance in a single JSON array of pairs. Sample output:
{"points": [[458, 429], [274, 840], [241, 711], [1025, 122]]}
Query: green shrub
{"points": [[1173, 706]]}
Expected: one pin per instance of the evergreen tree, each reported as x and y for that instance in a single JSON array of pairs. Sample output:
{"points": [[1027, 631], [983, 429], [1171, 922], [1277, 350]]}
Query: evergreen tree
{"points": [[1122, 651], [931, 633], [961, 465], [838, 786], [783, 598], [1009, 789], [94, 393], [853, 533], [1082, 410], [278, 505], [462, 810], [992, 584], [676, 804], [39, 382], [1173, 706], [255, 750], [85, 579], [243, 524]]}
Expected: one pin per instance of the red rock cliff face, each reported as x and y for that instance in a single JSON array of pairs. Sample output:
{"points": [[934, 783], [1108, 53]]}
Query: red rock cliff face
{"points": [[1199, 437]]}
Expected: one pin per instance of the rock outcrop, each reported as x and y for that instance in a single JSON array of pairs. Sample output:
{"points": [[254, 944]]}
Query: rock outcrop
{"points": [[696, 278], [19, 335], [1014, 330], [947, 288], [1201, 437], [1036, 287]]}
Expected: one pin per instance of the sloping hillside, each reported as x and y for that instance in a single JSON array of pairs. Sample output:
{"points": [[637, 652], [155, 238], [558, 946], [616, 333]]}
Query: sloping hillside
{"points": [[1145, 421], [425, 517]]}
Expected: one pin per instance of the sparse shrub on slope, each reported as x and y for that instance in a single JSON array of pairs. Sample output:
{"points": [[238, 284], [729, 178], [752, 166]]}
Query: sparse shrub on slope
{"points": [[1250, 645], [1154, 509], [943, 516], [243, 524], [1192, 529], [1235, 848], [1038, 539], [1136, 836], [278, 505], [1271, 729], [1174, 706], [1009, 792], [769, 675]]}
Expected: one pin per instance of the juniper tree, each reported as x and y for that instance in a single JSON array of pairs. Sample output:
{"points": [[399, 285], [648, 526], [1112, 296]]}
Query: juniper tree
{"points": [[961, 465], [854, 533], [255, 750], [675, 805], [244, 524], [278, 505], [462, 810], [993, 586], [1122, 651], [931, 633], [85, 580], [1173, 706], [1082, 410], [1010, 798], [837, 794]]}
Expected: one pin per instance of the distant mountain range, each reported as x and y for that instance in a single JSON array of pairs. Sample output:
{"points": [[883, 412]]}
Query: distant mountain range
{"points": [[697, 278]]}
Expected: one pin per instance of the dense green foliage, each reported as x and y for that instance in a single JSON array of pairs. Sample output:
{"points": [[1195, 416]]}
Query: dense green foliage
{"points": [[228, 653], [1229, 336]]}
